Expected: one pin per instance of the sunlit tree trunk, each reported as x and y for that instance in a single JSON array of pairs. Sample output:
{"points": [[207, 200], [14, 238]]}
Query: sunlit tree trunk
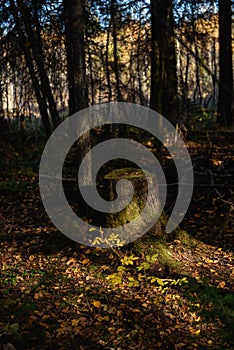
{"points": [[108, 78]]}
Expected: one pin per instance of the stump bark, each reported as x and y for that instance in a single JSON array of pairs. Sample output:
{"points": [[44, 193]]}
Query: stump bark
{"points": [[140, 183]]}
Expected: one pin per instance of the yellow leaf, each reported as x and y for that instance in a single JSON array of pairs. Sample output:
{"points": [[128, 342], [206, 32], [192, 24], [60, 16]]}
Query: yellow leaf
{"points": [[160, 282], [96, 303], [106, 318], [157, 300], [38, 295], [44, 325], [38, 313], [74, 322], [71, 261], [136, 310], [85, 261], [221, 284], [195, 331], [197, 319], [197, 305]]}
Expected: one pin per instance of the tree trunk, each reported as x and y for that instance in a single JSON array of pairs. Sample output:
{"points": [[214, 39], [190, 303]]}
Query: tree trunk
{"points": [[35, 42], [108, 78], [35, 82], [114, 13], [92, 83], [163, 95], [225, 103], [76, 69], [139, 73], [74, 21]]}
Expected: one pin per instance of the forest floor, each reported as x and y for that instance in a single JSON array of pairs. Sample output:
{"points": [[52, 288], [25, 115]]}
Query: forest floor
{"points": [[57, 294]]}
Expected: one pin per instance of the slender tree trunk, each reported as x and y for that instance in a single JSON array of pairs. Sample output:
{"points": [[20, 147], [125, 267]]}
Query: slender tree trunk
{"points": [[90, 65], [35, 82], [139, 72], [36, 45], [7, 102], [1, 96], [43, 74], [40, 99], [225, 103], [107, 65], [108, 128], [163, 97], [115, 48], [197, 91], [214, 66], [1, 103]]}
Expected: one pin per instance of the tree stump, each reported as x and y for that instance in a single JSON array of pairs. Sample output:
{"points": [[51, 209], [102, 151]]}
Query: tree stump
{"points": [[134, 209]]}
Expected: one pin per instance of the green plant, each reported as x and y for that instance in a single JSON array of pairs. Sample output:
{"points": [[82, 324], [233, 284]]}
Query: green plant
{"points": [[125, 275], [113, 240]]}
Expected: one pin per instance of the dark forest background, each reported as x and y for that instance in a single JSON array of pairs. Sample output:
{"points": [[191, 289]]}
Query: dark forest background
{"points": [[58, 57]]}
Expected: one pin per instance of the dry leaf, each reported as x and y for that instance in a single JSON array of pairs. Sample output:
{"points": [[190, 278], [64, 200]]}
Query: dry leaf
{"points": [[96, 303]]}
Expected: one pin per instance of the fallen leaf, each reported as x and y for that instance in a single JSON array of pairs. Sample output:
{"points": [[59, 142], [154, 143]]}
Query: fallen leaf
{"points": [[96, 303]]}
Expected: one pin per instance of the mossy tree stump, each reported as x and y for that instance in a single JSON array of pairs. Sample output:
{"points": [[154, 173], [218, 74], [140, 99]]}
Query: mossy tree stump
{"points": [[133, 210]]}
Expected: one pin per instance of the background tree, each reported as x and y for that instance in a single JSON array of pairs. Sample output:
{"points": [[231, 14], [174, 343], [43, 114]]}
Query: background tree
{"points": [[74, 14], [30, 20], [25, 45], [74, 28], [225, 104], [113, 46], [163, 94]]}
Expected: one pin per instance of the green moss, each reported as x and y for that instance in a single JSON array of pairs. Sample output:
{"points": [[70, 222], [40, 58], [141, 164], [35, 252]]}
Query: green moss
{"points": [[156, 240], [132, 211], [150, 245], [165, 255], [126, 173], [185, 238], [124, 216]]}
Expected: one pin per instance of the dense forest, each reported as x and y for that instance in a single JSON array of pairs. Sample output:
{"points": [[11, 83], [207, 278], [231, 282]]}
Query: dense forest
{"points": [[125, 51], [162, 289]]}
